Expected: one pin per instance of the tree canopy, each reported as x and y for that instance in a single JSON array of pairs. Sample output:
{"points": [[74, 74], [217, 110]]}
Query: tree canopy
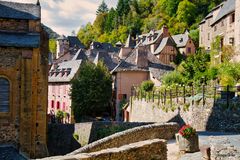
{"points": [[103, 8], [91, 90], [138, 16]]}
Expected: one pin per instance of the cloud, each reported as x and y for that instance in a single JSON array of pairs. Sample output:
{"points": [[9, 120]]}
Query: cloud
{"points": [[64, 16]]}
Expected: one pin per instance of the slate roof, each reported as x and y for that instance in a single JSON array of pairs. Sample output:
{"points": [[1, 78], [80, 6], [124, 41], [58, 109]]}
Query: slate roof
{"points": [[62, 37], [31, 40], [181, 40], [154, 65], [72, 55], [109, 60], [228, 7], [161, 45], [104, 46], [155, 36], [69, 68], [13, 10], [75, 42]]}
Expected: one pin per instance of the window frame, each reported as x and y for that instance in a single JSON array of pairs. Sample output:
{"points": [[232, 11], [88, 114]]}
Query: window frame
{"points": [[9, 113]]}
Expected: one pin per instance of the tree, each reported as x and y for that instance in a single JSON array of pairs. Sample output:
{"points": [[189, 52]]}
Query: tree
{"points": [[186, 12], [52, 46], [103, 8], [91, 90]]}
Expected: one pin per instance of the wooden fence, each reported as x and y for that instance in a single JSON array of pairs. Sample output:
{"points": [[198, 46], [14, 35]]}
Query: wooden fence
{"points": [[187, 94]]}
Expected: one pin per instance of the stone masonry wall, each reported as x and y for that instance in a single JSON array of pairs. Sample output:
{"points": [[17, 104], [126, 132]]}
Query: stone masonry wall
{"points": [[211, 116], [8, 134], [146, 150], [61, 140], [152, 131]]}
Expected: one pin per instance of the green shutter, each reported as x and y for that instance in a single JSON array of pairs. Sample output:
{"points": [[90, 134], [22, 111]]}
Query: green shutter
{"points": [[4, 95]]}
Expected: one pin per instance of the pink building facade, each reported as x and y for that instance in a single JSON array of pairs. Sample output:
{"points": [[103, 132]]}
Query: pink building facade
{"points": [[59, 99], [59, 89]]}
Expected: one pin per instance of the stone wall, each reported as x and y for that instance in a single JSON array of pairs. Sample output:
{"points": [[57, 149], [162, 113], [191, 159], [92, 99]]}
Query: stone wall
{"points": [[61, 140], [8, 134], [152, 131], [213, 116], [146, 150], [222, 149]]}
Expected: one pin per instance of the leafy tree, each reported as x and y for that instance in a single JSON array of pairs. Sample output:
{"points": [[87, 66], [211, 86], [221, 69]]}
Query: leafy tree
{"points": [[147, 86], [171, 78], [99, 23], [52, 46], [91, 90], [186, 12], [103, 8]]}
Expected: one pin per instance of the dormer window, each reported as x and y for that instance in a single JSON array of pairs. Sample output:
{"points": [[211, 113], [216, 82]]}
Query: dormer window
{"points": [[181, 40], [68, 71], [62, 72]]}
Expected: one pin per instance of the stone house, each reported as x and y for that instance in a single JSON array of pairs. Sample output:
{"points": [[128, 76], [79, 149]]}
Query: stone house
{"points": [[221, 21], [161, 44], [59, 86], [140, 65], [184, 43], [23, 78], [68, 45]]}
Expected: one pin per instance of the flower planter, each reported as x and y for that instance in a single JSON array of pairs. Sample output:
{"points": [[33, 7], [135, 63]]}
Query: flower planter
{"points": [[189, 145]]}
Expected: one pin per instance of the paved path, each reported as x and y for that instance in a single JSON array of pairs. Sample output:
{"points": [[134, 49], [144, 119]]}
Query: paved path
{"points": [[203, 140]]}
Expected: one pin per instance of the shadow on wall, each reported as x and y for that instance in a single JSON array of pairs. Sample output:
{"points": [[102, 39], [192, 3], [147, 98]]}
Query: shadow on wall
{"points": [[225, 116], [178, 119], [61, 140]]}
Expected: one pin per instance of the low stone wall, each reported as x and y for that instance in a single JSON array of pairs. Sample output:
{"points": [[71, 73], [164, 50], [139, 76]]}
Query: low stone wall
{"points": [[145, 150], [222, 149], [211, 116], [153, 131], [8, 134], [61, 140]]}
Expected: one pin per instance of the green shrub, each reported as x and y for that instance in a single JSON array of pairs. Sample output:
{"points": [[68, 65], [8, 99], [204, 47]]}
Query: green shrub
{"points": [[76, 136], [147, 86], [60, 116]]}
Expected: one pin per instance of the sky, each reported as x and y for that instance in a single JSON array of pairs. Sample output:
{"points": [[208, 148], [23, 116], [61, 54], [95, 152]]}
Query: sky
{"points": [[64, 16]]}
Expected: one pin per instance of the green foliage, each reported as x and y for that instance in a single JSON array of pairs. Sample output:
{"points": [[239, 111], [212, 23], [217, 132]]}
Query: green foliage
{"points": [[60, 116], [103, 8], [52, 46], [171, 78], [194, 34], [138, 16], [91, 90], [76, 136], [147, 86], [186, 12]]}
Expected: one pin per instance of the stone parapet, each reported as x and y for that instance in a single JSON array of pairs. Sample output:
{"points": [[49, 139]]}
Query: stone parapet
{"points": [[153, 131], [145, 150]]}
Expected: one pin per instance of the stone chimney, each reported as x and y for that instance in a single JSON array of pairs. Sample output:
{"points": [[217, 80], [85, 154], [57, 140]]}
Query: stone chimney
{"points": [[124, 52], [165, 31], [142, 57]]}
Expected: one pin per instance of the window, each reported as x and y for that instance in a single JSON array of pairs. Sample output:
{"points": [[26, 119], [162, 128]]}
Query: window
{"points": [[232, 18], [172, 58], [231, 41], [58, 105], [4, 95], [208, 36], [215, 28], [52, 103], [189, 50]]}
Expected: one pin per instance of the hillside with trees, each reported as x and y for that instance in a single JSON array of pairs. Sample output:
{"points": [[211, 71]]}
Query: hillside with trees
{"points": [[140, 16]]}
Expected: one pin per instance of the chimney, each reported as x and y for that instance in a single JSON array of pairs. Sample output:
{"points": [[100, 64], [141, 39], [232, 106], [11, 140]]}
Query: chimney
{"points": [[38, 3], [165, 31], [142, 57], [124, 52]]}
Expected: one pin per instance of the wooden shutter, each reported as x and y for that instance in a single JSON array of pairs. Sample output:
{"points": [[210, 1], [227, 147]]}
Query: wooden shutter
{"points": [[4, 95]]}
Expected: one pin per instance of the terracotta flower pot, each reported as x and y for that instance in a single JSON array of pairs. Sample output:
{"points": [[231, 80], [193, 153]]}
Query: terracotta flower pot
{"points": [[190, 144]]}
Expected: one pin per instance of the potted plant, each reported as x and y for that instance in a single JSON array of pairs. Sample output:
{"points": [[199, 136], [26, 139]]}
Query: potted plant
{"points": [[187, 139]]}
